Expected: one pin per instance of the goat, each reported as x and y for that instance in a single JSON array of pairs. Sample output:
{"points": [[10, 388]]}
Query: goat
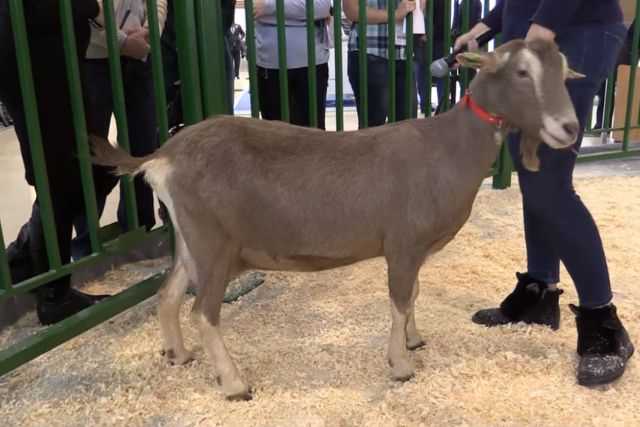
{"points": [[249, 194]]}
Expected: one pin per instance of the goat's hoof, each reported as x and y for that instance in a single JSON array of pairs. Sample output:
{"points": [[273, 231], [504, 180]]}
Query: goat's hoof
{"points": [[416, 345], [402, 371], [242, 394], [177, 358], [240, 397]]}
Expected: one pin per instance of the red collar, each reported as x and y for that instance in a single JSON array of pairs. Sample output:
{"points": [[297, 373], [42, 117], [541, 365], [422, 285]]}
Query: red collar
{"points": [[480, 112]]}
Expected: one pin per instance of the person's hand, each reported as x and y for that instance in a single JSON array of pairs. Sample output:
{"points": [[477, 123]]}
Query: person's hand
{"points": [[405, 8], [538, 32], [259, 8], [468, 39], [136, 45]]}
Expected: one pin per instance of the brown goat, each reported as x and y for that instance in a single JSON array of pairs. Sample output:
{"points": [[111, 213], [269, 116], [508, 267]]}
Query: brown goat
{"points": [[250, 194]]}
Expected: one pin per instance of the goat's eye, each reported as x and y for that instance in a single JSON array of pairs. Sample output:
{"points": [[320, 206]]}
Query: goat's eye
{"points": [[523, 73]]}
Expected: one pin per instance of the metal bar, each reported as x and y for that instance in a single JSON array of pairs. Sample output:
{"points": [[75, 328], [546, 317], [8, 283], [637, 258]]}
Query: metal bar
{"points": [[409, 82], [447, 47], [220, 60], [608, 156], [33, 130], [282, 62], [464, 72], [391, 56], [73, 326], [337, 44], [211, 53], [429, 56], [311, 63], [123, 243], [363, 119], [502, 179], [251, 58], [608, 112], [119, 109], [5, 273], [80, 124], [188, 61], [632, 78], [160, 96]]}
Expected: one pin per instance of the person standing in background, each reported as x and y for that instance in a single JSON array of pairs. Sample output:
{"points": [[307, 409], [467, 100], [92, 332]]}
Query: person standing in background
{"points": [[133, 38], [297, 59], [27, 255], [378, 45]]}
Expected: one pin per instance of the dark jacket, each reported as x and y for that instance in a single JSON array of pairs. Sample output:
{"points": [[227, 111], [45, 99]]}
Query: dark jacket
{"points": [[475, 14], [44, 28], [509, 16]]}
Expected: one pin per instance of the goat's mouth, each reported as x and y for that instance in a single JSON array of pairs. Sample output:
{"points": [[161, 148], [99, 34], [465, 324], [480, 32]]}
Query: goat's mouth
{"points": [[556, 141]]}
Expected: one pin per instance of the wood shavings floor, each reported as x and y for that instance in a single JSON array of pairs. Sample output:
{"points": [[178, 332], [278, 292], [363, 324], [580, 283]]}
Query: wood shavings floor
{"points": [[313, 345]]}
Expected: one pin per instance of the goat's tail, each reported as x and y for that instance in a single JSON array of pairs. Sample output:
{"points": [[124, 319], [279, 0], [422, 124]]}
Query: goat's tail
{"points": [[105, 154]]}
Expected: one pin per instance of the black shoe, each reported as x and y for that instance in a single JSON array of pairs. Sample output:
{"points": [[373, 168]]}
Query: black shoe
{"points": [[53, 309], [603, 345], [530, 302]]}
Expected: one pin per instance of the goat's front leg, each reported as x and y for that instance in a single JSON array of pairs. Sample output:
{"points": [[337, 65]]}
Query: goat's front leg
{"points": [[414, 339], [170, 300], [401, 280]]}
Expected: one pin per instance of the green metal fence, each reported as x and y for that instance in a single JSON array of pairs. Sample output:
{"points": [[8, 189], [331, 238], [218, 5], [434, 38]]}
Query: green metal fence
{"points": [[203, 75]]}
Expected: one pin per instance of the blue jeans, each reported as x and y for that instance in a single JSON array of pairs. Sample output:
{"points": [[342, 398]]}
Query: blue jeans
{"points": [[378, 88], [558, 226]]}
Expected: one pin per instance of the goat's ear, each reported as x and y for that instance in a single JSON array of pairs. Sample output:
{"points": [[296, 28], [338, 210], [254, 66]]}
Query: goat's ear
{"points": [[477, 60], [573, 74], [570, 74]]}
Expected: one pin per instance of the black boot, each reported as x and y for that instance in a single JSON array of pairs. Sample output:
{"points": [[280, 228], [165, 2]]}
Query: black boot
{"points": [[530, 302], [53, 307], [603, 345]]}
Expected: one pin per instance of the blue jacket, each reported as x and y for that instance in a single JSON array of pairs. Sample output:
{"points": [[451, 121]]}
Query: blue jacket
{"points": [[513, 17]]}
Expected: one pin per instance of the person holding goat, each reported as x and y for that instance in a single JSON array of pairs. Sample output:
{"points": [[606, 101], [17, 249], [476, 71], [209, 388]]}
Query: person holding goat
{"points": [[558, 226]]}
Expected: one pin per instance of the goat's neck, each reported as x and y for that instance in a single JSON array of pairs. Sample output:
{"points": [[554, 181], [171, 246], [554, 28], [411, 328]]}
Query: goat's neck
{"points": [[480, 139]]}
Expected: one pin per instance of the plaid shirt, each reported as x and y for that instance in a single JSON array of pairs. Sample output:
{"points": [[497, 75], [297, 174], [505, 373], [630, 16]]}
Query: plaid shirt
{"points": [[377, 35]]}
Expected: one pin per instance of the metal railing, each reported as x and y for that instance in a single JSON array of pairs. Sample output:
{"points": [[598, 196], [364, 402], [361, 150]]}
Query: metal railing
{"points": [[201, 52]]}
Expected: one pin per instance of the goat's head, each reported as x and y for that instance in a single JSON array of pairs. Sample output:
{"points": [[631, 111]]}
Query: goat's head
{"points": [[524, 82]]}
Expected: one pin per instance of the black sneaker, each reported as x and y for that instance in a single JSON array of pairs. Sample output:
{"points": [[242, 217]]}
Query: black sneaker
{"points": [[52, 309], [603, 345], [530, 302]]}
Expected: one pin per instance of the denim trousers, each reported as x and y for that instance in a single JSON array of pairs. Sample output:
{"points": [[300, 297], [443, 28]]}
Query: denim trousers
{"points": [[378, 88]]}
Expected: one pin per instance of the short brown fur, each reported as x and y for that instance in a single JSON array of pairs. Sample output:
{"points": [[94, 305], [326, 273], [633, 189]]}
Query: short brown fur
{"points": [[250, 194]]}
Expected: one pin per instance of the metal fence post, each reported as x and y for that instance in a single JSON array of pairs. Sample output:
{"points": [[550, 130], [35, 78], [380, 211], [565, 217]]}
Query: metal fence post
{"points": [[187, 44], [363, 116], [283, 72], [160, 96], [311, 63], [33, 130], [251, 59], [79, 124], [337, 44], [119, 108]]}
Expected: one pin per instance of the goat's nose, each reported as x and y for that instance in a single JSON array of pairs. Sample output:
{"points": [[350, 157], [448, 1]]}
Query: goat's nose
{"points": [[571, 128]]}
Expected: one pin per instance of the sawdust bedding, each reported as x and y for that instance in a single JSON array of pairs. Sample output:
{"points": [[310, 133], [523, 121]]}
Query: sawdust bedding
{"points": [[313, 345]]}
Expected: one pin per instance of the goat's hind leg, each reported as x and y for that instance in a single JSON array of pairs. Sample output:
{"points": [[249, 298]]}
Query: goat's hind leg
{"points": [[170, 299], [414, 339], [207, 311]]}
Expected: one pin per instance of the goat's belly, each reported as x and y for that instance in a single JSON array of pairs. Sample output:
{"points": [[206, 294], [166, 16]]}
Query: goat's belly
{"points": [[259, 259]]}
